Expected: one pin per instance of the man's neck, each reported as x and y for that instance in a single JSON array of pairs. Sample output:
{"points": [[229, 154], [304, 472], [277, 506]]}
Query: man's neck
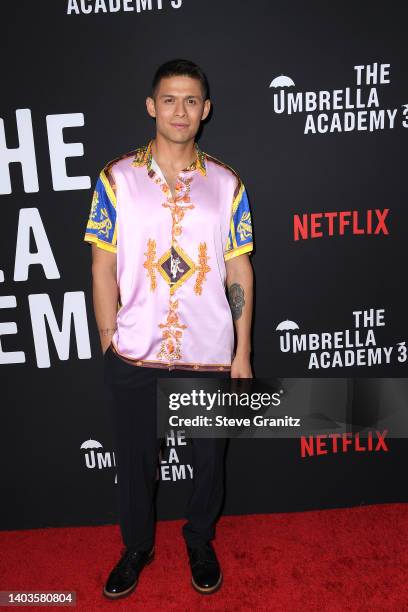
{"points": [[174, 155]]}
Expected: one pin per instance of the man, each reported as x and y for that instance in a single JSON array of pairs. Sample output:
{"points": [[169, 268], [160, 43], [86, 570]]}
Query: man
{"points": [[170, 227]]}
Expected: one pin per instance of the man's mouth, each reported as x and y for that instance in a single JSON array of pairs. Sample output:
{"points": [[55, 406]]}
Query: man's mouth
{"points": [[179, 126]]}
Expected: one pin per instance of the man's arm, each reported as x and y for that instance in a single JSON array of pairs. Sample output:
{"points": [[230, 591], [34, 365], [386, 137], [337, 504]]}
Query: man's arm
{"points": [[240, 295], [105, 293]]}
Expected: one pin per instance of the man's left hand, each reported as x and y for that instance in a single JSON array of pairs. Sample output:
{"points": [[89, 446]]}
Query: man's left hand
{"points": [[241, 367]]}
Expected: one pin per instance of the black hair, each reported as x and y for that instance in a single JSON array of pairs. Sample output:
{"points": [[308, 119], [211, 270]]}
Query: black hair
{"points": [[181, 67]]}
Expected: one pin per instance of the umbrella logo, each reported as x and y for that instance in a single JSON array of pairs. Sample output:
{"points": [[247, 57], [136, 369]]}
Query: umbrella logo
{"points": [[97, 458], [287, 325], [91, 444], [282, 81]]}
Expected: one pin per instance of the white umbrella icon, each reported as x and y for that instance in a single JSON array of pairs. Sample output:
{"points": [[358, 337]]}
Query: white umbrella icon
{"points": [[287, 325], [91, 444], [282, 81]]}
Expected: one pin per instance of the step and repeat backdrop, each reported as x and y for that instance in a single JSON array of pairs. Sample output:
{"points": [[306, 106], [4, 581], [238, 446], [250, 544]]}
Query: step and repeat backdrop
{"points": [[310, 107]]}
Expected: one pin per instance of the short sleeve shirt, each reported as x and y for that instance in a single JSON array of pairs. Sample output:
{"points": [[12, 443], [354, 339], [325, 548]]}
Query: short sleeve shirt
{"points": [[173, 309]]}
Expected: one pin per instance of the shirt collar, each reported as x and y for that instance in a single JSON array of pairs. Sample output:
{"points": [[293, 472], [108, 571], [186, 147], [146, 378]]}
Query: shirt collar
{"points": [[144, 157]]}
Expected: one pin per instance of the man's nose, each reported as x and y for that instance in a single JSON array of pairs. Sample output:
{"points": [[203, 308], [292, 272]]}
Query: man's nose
{"points": [[180, 110]]}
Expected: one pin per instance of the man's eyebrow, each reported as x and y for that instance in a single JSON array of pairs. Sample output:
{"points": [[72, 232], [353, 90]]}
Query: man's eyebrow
{"points": [[174, 96]]}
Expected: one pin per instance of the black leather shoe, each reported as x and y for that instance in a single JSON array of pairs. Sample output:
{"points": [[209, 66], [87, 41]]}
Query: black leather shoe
{"points": [[124, 576], [206, 575]]}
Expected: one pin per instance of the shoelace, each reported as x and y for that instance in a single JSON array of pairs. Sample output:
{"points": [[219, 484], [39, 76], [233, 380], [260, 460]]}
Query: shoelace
{"points": [[126, 556], [203, 554]]}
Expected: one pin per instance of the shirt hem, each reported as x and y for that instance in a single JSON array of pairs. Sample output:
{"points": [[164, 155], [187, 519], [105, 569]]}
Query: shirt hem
{"points": [[100, 243], [147, 363], [246, 248]]}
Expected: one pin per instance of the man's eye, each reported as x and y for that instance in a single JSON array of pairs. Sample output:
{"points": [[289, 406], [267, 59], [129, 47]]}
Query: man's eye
{"points": [[192, 101], [168, 100]]}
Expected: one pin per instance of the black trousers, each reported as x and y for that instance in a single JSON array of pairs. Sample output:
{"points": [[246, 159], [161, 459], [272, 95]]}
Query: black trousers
{"points": [[132, 399]]}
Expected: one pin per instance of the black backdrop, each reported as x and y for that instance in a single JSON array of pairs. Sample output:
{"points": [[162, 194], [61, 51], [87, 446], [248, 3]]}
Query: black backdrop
{"points": [[100, 65]]}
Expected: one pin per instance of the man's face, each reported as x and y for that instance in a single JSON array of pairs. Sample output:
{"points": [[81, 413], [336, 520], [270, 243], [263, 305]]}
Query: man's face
{"points": [[178, 107]]}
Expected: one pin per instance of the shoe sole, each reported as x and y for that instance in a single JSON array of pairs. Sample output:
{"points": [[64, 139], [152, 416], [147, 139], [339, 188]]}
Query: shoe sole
{"points": [[130, 589], [207, 590]]}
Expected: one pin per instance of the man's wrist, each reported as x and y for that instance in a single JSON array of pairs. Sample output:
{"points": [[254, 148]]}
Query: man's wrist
{"points": [[243, 351]]}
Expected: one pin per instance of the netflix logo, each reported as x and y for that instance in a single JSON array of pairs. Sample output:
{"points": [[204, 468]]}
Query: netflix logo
{"points": [[328, 224], [372, 442]]}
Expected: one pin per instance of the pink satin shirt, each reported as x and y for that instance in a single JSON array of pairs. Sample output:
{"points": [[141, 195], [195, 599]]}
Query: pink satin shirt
{"points": [[173, 309]]}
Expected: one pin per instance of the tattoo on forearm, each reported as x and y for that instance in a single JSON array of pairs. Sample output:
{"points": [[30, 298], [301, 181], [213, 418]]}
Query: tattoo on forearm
{"points": [[107, 331], [236, 300]]}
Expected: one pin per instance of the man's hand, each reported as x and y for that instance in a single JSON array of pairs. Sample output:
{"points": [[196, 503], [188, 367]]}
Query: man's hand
{"points": [[241, 367]]}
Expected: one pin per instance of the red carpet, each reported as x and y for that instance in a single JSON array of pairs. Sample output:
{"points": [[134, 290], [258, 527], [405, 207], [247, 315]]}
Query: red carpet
{"points": [[350, 559]]}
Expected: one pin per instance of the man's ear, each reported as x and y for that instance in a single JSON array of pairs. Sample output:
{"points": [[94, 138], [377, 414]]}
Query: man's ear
{"points": [[206, 110], [151, 107]]}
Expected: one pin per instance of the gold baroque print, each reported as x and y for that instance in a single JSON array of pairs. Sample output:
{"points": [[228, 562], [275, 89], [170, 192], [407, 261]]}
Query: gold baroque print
{"points": [[170, 346], [143, 156], [177, 215], [177, 205], [103, 226], [202, 267], [176, 267], [95, 202], [244, 226], [150, 263]]}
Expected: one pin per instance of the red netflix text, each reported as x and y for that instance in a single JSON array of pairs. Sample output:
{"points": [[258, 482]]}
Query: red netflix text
{"points": [[323, 224], [324, 444]]}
